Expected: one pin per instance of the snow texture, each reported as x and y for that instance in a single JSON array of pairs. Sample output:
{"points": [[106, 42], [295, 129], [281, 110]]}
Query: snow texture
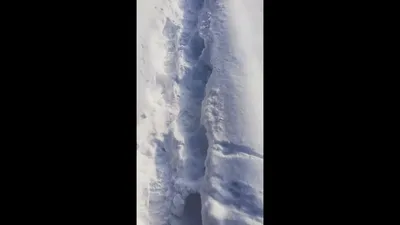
{"points": [[199, 101]]}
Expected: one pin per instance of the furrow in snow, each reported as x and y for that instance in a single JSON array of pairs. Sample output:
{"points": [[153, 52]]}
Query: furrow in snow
{"points": [[181, 151], [199, 127]]}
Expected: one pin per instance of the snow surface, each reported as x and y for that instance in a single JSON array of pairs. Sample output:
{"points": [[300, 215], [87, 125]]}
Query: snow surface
{"points": [[199, 102]]}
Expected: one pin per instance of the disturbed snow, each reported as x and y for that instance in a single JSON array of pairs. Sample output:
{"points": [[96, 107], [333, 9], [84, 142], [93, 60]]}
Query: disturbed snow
{"points": [[199, 101]]}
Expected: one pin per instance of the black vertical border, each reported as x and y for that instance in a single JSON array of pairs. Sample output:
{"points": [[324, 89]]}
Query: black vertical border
{"points": [[132, 119], [268, 218]]}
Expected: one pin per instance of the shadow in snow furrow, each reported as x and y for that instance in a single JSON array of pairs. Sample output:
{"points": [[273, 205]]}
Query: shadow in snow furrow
{"points": [[192, 85], [191, 211], [231, 149]]}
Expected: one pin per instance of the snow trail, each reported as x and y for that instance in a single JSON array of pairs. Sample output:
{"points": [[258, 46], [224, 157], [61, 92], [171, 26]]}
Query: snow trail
{"points": [[199, 150], [179, 147]]}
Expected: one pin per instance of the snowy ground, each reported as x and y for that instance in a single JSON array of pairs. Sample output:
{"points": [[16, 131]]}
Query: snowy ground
{"points": [[199, 101]]}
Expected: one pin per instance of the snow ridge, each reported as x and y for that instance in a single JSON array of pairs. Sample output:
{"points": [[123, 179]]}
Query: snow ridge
{"points": [[232, 187]]}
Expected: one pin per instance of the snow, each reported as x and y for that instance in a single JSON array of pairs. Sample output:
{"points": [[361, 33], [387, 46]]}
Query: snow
{"points": [[199, 102]]}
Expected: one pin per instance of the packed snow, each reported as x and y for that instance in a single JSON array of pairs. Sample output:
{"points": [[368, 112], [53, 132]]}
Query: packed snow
{"points": [[199, 112]]}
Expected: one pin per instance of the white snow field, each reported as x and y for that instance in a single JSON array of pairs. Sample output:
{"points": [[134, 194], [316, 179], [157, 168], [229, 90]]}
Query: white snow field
{"points": [[199, 112]]}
